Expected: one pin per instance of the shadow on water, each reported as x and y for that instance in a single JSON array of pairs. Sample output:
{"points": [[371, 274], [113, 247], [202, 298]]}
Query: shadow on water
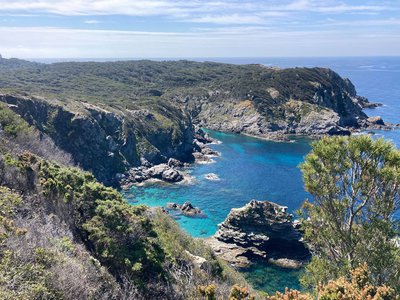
{"points": [[269, 279]]}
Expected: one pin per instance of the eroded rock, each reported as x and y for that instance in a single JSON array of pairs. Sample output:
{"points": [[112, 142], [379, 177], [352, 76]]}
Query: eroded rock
{"points": [[260, 230]]}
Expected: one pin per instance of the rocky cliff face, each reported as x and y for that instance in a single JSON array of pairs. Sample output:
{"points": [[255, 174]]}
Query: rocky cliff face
{"points": [[287, 102], [107, 141], [260, 229]]}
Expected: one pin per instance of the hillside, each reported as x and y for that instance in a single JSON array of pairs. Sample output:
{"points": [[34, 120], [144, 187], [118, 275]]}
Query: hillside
{"points": [[66, 236], [113, 116]]}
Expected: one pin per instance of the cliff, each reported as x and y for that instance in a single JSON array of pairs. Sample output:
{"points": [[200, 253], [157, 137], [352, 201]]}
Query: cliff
{"points": [[112, 117], [106, 141], [279, 102]]}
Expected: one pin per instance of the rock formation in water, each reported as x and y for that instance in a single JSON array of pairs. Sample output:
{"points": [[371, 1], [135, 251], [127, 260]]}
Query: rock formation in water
{"points": [[186, 209], [262, 230]]}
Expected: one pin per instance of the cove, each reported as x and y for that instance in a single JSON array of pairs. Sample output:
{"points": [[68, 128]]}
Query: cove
{"points": [[248, 168]]}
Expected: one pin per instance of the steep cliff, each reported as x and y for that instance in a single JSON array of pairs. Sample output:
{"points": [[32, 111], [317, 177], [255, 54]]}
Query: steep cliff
{"points": [[108, 141], [283, 102]]}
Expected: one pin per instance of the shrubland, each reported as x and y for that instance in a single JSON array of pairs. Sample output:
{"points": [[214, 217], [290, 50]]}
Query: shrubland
{"points": [[66, 236]]}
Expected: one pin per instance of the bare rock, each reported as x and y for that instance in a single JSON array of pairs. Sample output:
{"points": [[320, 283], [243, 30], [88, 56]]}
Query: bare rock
{"points": [[174, 163], [377, 120], [260, 229], [164, 172], [197, 260], [186, 209]]}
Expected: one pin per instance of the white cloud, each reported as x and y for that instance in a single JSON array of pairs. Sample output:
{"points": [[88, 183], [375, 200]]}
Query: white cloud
{"points": [[180, 8], [122, 7], [229, 19], [255, 41], [91, 21]]}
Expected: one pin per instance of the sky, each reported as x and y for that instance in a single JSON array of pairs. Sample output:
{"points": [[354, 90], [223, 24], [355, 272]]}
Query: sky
{"points": [[194, 28]]}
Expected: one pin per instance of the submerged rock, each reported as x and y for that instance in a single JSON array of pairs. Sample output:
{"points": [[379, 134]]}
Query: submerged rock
{"points": [[260, 229], [212, 177], [186, 209]]}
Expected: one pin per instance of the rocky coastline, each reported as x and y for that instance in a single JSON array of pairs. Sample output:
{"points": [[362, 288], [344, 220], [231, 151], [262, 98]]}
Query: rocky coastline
{"points": [[140, 140], [174, 171], [261, 230]]}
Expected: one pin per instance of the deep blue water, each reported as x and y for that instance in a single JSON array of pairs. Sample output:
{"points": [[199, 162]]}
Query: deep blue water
{"points": [[256, 169]]}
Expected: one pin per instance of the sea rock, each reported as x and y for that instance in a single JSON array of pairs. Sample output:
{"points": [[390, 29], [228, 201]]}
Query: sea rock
{"points": [[164, 172], [174, 206], [209, 152], [186, 209], [365, 103], [377, 120], [203, 137], [212, 176], [262, 230], [143, 173], [200, 158]]}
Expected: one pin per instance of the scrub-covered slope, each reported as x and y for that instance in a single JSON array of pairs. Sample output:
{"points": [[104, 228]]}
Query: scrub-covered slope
{"points": [[117, 115], [63, 235]]}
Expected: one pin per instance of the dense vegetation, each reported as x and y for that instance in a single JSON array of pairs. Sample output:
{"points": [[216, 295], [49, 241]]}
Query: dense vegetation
{"points": [[150, 84], [64, 235], [130, 112]]}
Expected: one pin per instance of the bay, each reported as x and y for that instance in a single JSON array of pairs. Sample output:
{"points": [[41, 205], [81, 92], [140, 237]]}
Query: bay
{"points": [[250, 168]]}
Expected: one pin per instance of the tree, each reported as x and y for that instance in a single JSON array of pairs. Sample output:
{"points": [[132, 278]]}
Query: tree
{"points": [[355, 183]]}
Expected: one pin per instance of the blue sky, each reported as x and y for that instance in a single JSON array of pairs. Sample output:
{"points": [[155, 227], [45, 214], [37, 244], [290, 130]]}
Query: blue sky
{"points": [[192, 28]]}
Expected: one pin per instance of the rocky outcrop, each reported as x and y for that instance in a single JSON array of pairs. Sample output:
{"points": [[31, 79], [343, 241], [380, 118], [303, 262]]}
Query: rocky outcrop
{"points": [[109, 142], [203, 154], [262, 230], [311, 102], [377, 120], [364, 102], [186, 209], [141, 174]]}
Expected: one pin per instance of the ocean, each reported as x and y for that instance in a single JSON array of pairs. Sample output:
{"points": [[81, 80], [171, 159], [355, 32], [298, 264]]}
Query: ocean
{"points": [[250, 168]]}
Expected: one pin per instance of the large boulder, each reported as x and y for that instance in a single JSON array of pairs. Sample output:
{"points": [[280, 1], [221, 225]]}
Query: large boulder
{"points": [[260, 229], [165, 172]]}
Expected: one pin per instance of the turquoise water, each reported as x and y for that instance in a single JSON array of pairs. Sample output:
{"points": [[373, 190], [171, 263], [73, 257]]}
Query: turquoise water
{"points": [[255, 169], [248, 168]]}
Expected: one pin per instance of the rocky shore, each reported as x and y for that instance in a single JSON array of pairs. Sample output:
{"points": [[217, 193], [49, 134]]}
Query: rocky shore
{"points": [[260, 230], [174, 171]]}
